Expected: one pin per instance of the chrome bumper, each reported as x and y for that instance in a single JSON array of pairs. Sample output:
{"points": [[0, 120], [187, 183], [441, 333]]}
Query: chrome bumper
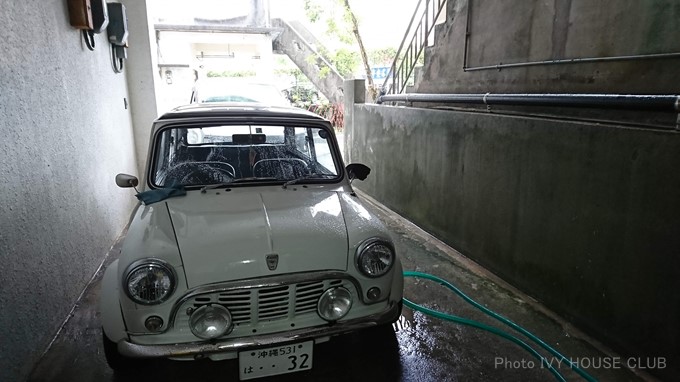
{"points": [[199, 349]]}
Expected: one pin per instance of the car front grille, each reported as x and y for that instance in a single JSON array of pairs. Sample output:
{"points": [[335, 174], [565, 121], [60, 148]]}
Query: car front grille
{"points": [[252, 306]]}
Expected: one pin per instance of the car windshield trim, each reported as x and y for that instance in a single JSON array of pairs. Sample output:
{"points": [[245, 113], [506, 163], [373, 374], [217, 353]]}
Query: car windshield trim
{"points": [[293, 151]]}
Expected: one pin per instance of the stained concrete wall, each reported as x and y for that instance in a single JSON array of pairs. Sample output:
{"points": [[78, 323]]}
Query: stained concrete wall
{"points": [[514, 31], [65, 134], [584, 217]]}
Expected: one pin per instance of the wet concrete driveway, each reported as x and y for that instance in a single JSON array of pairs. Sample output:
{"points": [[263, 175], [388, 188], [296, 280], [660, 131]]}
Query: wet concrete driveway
{"points": [[424, 348]]}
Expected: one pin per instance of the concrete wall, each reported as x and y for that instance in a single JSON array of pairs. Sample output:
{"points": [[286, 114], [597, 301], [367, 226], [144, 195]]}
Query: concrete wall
{"points": [[584, 217], [65, 134], [513, 31]]}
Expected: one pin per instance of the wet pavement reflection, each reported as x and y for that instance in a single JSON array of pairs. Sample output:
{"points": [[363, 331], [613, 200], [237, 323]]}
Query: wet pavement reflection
{"points": [[420, 348]]}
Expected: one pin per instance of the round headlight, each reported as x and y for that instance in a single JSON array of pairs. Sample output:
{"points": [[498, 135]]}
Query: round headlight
{"points": [[334, 303], [150, 282], [375, 258], [210, 321]]}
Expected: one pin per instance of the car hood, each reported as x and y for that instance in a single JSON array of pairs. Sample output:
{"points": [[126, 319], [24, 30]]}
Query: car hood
{"points": [[228, 235]]}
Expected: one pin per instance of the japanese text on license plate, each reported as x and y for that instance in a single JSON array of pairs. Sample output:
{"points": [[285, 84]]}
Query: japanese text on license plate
{"points": [[275, 360]]}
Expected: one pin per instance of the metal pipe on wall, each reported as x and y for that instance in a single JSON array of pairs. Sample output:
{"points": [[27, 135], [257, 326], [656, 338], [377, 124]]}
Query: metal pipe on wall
{"points": [[663, 102]]}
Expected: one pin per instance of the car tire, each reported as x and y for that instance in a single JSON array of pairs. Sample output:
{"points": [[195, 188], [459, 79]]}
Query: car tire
{"points": [[386, 332], [114, 359], [401, 307]]}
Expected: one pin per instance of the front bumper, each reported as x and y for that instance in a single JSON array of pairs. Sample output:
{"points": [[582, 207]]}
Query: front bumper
{"points": [[200, 349]]}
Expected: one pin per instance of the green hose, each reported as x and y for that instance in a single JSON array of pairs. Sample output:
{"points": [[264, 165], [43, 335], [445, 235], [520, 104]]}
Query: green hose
{"points": [[493, 330]]}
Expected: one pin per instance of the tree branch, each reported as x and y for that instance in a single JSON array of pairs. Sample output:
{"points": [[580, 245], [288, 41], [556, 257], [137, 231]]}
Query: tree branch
{"points": [[362, 50]]}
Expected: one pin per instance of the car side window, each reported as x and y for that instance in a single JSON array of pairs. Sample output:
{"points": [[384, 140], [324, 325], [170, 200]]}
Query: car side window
{"points": [[322, 149], [302, 142]]}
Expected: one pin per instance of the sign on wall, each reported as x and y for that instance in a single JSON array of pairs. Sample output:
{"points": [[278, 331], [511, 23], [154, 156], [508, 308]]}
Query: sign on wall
{"points": [[380, 73]]}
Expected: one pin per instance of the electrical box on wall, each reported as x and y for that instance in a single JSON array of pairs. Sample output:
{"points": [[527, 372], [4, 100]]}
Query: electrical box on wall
{"points": [[117, 29], [80, 14], [99, 20], [118, 34], [100, 16]]}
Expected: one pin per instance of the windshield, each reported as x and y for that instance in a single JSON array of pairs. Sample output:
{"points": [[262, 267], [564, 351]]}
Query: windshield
{"points": [[200, 156]]}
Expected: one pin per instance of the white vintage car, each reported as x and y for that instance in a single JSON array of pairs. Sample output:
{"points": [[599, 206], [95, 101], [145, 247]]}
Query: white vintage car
{"points": [[249, 243]]}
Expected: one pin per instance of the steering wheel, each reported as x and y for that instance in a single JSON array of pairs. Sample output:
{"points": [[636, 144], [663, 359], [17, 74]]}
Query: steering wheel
{"points": [[203, 173]]}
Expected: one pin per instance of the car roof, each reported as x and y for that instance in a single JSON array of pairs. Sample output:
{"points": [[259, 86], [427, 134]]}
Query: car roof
{"points": [[237, 109]]}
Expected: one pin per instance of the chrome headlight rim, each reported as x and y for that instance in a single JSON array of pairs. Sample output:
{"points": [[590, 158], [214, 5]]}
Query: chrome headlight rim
{"points": [[154, 262], [325, 295], [366, 244], [199, 314]]}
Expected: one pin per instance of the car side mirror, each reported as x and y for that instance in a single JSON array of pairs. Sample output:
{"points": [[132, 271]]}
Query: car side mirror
{"points": [[126, 181], [357, 171]]}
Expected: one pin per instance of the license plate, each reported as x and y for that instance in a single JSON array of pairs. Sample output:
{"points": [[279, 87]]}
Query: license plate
{"points": [[275, 360]]}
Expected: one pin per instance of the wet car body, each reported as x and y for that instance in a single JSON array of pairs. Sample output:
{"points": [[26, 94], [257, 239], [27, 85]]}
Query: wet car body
{"points": [[269, 247]]}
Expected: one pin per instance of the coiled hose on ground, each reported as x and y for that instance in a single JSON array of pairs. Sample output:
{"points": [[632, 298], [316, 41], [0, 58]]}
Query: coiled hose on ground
{"points": [[496, 331]]}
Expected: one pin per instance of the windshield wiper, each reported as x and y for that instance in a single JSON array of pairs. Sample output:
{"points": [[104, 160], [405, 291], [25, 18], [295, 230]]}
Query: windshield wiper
{"points": [[240, 180], [310, 176]]}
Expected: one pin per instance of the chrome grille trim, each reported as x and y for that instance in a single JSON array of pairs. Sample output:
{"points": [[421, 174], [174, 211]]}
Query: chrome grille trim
{"points": [[242, 289], [266, 304]]}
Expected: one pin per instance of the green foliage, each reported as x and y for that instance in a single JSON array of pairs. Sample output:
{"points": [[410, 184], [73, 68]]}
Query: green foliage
{"points": [[337, 19], [382, 56], [345, 61], [347, 39], [303, 95], [331, 27], [323, 71], [311, 59], [290, 72], [313, 10], [229, 73], [346, 15]]}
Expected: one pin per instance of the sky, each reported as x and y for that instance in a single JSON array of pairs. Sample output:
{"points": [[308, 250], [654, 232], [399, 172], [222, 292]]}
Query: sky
{"points": [[382, 23]]}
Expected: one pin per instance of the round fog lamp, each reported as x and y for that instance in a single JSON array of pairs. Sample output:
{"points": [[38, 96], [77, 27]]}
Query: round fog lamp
{"points": [[210, 321], [153, 323], [334, 304]]}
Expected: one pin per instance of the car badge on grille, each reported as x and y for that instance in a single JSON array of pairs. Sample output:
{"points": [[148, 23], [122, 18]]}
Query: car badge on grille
{"points": [[272, 261]]}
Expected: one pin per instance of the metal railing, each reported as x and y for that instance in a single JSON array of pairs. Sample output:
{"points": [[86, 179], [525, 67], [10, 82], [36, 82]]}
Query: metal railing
{"points": [[405, 62]]}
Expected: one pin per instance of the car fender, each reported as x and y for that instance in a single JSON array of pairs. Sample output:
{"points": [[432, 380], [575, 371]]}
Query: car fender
{"points": [[109, 305], [397, 291]]}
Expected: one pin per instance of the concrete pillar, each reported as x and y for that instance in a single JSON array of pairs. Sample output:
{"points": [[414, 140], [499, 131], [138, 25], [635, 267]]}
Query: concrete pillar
{"points": [[141, 71], [265, 66], [354, 92]]}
